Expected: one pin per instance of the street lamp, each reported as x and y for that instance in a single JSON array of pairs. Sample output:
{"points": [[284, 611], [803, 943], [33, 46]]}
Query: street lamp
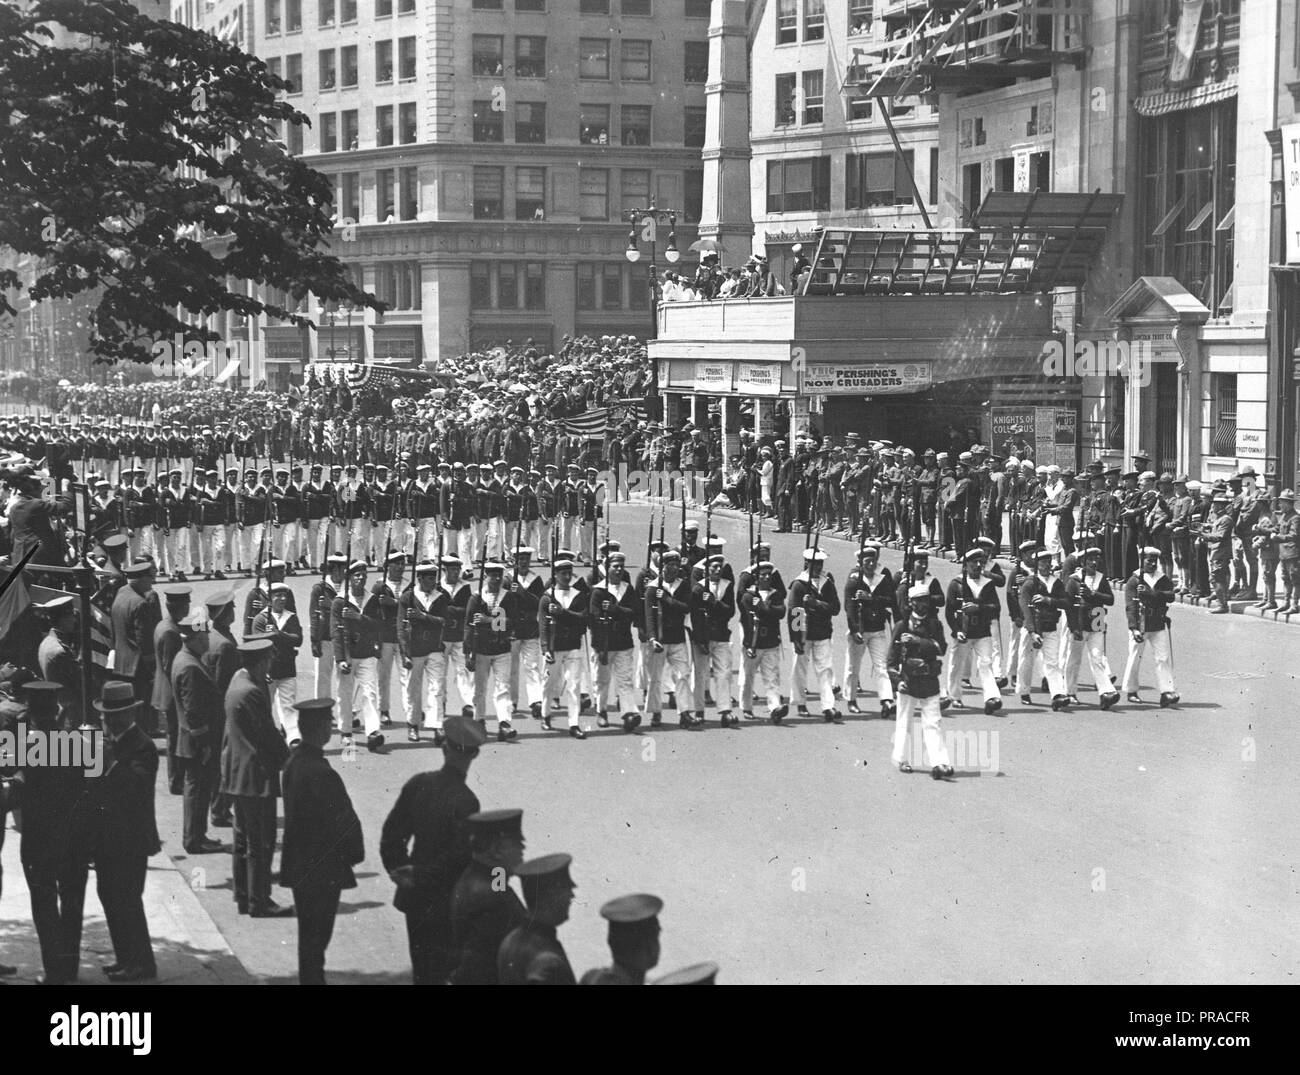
{"points": [[649, 220]]}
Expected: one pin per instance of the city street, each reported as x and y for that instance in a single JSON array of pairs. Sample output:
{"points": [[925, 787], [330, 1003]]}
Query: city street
{"points": [[1136, 845]]}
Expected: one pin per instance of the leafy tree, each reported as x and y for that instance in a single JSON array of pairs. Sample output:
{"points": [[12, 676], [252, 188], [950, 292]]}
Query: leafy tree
{"points": [[139, 165]]}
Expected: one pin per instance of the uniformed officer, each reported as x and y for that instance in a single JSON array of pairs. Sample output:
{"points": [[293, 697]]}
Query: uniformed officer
{"points": [[1148, 594], [695, 974], [1217, 534], [280, 623], [320, 602], [1090, 598], [1288, 552], [531, 954], [870, 594], [915, 659], [526, 664], [388, 588], [483, 909], [633, 938], [425, 850], [322, 838]]}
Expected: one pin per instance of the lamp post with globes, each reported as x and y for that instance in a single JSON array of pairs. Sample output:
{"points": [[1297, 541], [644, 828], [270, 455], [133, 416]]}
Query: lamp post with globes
{"points": [[649, 219]]}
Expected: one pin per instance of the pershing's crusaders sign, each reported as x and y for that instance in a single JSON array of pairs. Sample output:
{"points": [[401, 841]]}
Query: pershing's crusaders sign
{"points": [[865, 378]]}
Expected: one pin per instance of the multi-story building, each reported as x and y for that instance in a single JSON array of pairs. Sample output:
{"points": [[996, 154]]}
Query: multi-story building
{"points": [[485, 154], [824, 154]]}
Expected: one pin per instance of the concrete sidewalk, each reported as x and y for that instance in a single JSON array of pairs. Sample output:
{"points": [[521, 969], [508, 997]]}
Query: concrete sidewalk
{"points": [[189, 948]]}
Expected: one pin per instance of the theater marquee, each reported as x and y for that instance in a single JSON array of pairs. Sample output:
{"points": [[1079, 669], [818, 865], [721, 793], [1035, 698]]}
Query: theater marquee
{"points": [[866, 378]]}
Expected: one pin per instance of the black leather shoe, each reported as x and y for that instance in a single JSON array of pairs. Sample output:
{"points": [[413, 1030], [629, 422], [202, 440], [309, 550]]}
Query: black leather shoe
{"points": [[778, 714], [992, 705], [438, 737], [577, 733], [656, 720], [375, 742], [505, 733], [134, 974], [631, 721], [1109, 699], [270, 910], [602, 721], [206, 847], [941, 772], [1026, 700], [385, 720], [1168, 698], [221, 821]]}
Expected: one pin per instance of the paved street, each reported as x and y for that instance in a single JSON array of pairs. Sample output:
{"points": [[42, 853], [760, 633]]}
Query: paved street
{"points": [[1122, 846]]}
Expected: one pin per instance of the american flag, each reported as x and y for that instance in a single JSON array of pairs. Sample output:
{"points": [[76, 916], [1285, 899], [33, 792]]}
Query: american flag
{"points": [[101, 621], [595, 422], [375, 376]]}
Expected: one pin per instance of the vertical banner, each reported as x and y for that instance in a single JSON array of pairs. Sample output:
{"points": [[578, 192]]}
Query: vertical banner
{"points": [[1189, 29], [1291, 187]]}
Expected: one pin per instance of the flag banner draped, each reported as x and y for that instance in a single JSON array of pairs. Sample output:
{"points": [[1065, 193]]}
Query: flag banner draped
{"points": [[595, 422]]}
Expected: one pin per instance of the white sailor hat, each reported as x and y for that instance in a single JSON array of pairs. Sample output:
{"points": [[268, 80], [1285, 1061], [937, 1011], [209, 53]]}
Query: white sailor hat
{"points": [[814, 554], [1150, 550], [713, 540], [1092, 550], [272, 565], [493, 566], [397, 557], [562, 565], [524, 550], [765, 564], [452, 561], [975, 553], [426, 567], [280, 587], [691, 524]]}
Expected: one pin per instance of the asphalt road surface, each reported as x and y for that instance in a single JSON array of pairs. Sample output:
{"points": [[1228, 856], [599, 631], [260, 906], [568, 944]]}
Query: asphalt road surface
{"points": [[1137, 845]]}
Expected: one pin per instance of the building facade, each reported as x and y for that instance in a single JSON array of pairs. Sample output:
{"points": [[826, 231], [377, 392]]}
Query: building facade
{"points": [[485, 155]]}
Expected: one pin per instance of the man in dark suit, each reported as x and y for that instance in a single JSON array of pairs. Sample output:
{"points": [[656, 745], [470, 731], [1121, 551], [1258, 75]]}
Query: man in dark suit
{"points": [[125, 832], [135, 615], [322, 838], [222, 662], [425, 848], [200, 718], [54, 850], [483, 909], [166, 644], [532, 953], [251, 758], [33, 519]]}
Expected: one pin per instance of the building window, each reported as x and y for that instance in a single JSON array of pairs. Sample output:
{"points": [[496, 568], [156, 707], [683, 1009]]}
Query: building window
{"points": [[584, 286], [534, 285], [383, 61], [636, 125], [696, 67], [397, 284], [489, 184], [611, 289], [799, 185], [530, 57], [349, 195], [292, 16], [480, 285], [295, 139], [1040, 171], [634, 189], [385, 195], [872, 180], [408, 200], [694, 126], [634, 61], [813, 84], [325, 8], [693, 194], [981, 135], [272, 17], [593, 58], [1004, 173], [329, 132], [860, 17], [350, 133], [1223, 441], [634, 7], [407, 127], [487, 54], [593, 194], [406, 59], [530, 5], [785, 91], [486, 5], [273, 65], [347, 11], [934, 175], [530, 122], [593, 125], [507, 285], [488, 125], [383, 9], [593, 7], [530, 193], [328, 71], [859, 108], [697, 9], [384, 125], [350, 66], [972, 191], [787, 22], [406, 7], [293, 72], [814, 20]]}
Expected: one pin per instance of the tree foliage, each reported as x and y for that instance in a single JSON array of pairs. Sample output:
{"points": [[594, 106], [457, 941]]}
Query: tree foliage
{"points": [[139, 163]]}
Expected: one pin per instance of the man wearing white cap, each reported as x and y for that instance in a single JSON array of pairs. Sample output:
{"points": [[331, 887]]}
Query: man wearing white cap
{"points": [[1042, 598], [1053, 494], [615, 609], [915, 657], [1091, 597], [358, 623], [667, 605], [422, 613], [814, 603], [972, 607], [713, 607], [422, 501], [280, 624], [562, 625], [762, 608], [528, 588], [869, 597], [453, 633], [1147, 596]]}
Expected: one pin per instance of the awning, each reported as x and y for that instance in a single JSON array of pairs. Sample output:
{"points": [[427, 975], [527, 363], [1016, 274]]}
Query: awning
{"points": [[1160, 104]]}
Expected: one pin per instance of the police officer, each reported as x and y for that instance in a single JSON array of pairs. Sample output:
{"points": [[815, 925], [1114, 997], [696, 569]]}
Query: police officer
{"points": [[531, 954], [322, 838], [424, 847], [633, 938]]}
